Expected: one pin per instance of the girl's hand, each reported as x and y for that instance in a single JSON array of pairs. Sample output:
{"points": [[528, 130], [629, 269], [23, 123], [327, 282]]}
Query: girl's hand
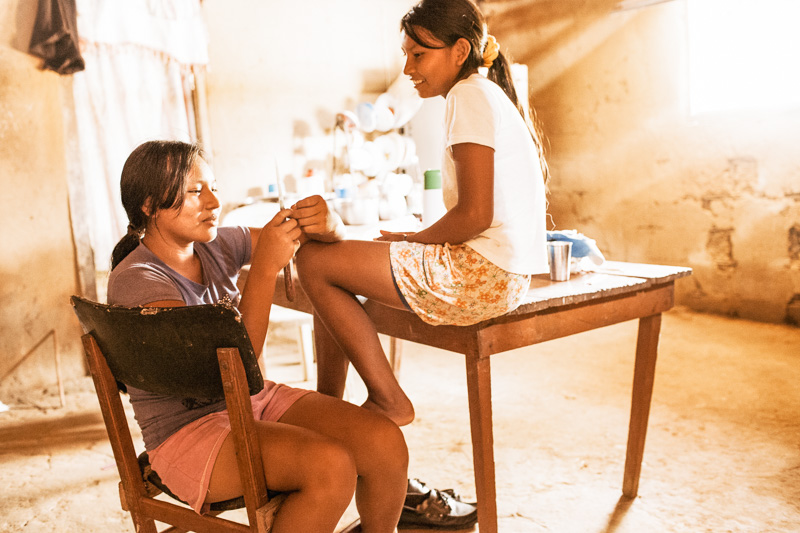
{"points": [[316, 220], [277, 242], [394, 236]]}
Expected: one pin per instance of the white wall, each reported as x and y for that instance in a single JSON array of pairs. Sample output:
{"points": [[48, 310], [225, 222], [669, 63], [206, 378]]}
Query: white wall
{"points": [[280, 71]]}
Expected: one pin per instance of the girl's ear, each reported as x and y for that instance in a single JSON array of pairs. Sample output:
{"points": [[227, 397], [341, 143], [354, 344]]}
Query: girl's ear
{"points": [[462, 49], [147, 208]]}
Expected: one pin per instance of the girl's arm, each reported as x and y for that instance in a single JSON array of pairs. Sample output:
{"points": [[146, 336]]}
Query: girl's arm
{"points": [[273, 247], [474, 211]]}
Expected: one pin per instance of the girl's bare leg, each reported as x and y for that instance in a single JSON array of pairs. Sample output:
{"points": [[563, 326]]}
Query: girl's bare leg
{"points": [[316, 471], [320, 452], [331, 275], [376, 445]]}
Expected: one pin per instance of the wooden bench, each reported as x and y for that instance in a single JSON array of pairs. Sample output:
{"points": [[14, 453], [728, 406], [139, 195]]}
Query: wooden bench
{"points": [[616, 292]]}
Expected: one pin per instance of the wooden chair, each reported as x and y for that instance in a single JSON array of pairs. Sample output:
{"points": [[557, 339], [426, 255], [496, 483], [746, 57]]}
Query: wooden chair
{"points": [[190, 352]]}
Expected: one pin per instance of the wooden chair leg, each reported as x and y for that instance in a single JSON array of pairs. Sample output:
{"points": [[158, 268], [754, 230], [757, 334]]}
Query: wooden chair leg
{"points": [[248, 455], [175, 529], [142, 524], [479, 389], [306, 344], [395, 355], [643, 377]]}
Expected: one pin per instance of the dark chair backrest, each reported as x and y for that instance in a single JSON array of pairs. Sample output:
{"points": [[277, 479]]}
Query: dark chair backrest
{"points": [[169, 350]]}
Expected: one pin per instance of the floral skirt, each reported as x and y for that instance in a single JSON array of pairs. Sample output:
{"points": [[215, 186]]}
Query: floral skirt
{"points": [[454, 285]]}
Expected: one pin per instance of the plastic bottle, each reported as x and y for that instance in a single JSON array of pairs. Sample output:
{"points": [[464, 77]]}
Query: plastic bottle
{"points": [[432, 201]]}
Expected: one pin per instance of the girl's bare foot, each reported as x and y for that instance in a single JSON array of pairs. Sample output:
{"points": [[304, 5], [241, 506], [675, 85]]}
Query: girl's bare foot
{"points": [[400, 412]]}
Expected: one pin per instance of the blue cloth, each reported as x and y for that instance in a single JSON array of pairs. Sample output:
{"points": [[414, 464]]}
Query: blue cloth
{"points": [[582, 246]]}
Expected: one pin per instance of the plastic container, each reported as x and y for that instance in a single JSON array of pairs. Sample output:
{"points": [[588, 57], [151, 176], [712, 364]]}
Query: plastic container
{"points": [[432, 200]]}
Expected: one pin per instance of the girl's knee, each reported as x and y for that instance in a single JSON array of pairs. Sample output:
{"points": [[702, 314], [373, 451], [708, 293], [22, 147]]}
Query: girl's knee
{"points": [[397, 443], [311, 264], [323, 483], [384, 435], [308, 255], [335, 469]]}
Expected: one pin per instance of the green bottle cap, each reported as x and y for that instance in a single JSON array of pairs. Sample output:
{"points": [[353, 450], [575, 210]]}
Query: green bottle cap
{"points": [[433, 179]]}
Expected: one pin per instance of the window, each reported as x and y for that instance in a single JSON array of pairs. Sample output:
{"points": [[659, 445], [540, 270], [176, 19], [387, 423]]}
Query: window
{"points": [[743, 54]]}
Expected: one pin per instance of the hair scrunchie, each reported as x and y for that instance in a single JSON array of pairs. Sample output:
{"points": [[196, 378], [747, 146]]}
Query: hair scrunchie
{"points": [[490, 51], [133, 231]]}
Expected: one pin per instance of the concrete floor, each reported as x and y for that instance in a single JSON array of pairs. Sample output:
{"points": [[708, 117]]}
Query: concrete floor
{"points": [[722, 453]]}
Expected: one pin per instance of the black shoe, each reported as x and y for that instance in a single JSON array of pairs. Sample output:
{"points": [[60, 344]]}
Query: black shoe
{"points": [[417, 488], [431, 508]]}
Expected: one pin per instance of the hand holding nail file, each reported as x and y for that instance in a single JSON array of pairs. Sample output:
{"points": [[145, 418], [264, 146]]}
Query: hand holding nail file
{"points": [[288, 281]]}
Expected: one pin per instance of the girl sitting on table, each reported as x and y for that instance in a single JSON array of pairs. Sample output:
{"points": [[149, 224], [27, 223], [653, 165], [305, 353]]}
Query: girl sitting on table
{"points": [[473, 264], [316, 448]]}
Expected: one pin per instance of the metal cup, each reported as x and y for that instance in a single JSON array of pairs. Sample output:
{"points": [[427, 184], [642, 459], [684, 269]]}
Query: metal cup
{"points": [[559, 254]]}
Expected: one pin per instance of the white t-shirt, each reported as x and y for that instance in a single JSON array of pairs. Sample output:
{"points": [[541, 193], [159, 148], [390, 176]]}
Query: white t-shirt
{"points": [[478, 111]]}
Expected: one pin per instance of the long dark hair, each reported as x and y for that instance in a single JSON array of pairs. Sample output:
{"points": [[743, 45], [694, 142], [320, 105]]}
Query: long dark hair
{"points": [[154, 175], [450, 20]]}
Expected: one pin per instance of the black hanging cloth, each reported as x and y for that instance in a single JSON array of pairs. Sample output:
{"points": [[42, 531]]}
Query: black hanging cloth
{"points": [[55, 36]]}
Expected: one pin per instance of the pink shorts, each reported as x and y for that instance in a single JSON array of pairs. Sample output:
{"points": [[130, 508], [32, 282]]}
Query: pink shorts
{"points": [[185, 460], [454, 285]]}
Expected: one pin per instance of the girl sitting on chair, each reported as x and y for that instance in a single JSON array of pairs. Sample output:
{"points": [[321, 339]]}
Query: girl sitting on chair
{"points": [[317, 448]]}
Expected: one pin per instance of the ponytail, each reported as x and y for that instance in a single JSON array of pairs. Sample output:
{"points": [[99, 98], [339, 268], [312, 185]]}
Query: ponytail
{"points": [[500, 73], [126, 245]]}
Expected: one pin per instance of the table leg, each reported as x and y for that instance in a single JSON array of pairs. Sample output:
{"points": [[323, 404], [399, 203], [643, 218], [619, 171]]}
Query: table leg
{"points": [[395, 355], [479, 389], [643, 377]]}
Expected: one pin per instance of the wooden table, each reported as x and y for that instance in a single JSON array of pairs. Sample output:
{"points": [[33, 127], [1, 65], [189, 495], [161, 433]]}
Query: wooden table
{"points": [[615, 292]]}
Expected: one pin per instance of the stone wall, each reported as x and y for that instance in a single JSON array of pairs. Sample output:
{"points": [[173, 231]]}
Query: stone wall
{"points": [[37, 266], [634, 169]]}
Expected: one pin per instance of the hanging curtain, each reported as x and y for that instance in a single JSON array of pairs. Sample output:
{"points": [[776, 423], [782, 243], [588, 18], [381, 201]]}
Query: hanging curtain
{"points": [[137, 86]]}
